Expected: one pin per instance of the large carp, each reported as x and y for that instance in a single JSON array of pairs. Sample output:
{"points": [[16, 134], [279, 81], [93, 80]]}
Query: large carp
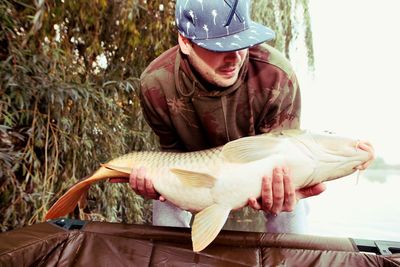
{"points": [[212, 182]]}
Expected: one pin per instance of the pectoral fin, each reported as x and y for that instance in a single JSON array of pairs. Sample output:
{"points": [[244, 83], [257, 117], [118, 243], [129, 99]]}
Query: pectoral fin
{"points": [[251, 148], [207, 224], [195, 179]]}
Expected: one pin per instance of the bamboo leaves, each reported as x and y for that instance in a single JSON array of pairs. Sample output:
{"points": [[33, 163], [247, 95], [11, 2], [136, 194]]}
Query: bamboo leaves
{"points": [[291, 20], [69, 96]]}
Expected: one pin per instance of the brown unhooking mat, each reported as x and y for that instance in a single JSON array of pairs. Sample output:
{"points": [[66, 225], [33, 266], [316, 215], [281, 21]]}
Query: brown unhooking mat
{"points": [[111, 244]]}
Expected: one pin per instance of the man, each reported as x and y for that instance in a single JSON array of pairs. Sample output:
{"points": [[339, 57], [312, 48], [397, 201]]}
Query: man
{"points": [[217, 85]]}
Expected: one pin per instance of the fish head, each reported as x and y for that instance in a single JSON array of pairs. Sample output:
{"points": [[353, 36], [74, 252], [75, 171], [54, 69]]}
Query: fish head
{"points": [[335, 156]]}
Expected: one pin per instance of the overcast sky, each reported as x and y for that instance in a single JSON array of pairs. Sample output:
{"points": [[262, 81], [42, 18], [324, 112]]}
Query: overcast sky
{"points": [[356, 85]]}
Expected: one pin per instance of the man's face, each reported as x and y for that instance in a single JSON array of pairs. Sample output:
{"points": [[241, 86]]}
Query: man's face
{"points": [[219, 68]]}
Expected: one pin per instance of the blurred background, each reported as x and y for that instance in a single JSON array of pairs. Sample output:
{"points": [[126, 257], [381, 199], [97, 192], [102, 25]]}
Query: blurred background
{"points": [[68, 100], [354, 91]]}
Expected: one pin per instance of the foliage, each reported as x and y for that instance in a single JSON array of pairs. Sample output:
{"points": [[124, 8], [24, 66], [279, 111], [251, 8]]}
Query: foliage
{"points": [[68, 98], [291, 21]]}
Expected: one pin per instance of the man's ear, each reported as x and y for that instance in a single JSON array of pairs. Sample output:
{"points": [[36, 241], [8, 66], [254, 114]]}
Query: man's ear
{"points": [[184, 44]]}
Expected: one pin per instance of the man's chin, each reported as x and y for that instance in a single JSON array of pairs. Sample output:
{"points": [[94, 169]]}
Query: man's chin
{"points": [[226, 82]]}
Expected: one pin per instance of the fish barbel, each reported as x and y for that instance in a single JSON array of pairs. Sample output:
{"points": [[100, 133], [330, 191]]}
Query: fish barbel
{"points": [[215, 181]]}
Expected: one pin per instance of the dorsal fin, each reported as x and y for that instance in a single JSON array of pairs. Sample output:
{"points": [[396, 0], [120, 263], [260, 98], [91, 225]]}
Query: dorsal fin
{"points": [[195, 179], [251, 148]]}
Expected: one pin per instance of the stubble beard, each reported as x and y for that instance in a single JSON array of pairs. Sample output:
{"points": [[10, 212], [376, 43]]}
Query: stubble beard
{"points": [[212, 76]]}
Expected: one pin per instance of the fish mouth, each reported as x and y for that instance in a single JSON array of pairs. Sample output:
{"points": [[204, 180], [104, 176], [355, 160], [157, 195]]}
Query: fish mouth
{"points": [[341, 155], [334, 148]]}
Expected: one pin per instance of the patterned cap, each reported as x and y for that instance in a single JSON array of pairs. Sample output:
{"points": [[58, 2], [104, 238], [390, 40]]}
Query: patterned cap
{"points": [[220, 25]]}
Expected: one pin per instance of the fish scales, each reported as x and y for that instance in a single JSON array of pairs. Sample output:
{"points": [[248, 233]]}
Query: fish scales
{"points": [[157, 160]]}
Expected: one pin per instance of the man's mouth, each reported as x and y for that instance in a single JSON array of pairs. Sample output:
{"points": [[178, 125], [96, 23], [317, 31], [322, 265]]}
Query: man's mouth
{"points": [[227, 71]]}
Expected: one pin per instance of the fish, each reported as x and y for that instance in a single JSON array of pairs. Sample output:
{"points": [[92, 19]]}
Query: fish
{"points": [[214, 181]]}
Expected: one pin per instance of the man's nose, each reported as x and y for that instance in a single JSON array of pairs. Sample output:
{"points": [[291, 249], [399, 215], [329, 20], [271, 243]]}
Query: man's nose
{"points": [[232, 57]]}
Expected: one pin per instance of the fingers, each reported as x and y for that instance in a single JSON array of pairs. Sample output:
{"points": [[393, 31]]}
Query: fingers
{"points": [[118, 180], [133, 180], [311, 191], [284, 192], [290, 195], [142, 185], [277, 192], [254, 203], [149, 189], [266, 193]]}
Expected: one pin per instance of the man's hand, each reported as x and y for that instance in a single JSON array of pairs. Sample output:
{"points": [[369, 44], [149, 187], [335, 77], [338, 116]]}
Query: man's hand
{"points": [[142, 185], [278, 193]]}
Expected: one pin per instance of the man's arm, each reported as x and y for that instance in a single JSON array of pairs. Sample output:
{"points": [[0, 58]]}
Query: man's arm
{"points": [[156, 113], [282, 111]]}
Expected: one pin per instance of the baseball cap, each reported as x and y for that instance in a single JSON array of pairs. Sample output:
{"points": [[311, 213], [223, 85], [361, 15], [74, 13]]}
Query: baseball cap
{"points": [[220, 25]]}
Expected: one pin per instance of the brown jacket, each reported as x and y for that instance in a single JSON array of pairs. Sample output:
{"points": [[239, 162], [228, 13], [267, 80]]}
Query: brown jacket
{"points": [[190, 115]]}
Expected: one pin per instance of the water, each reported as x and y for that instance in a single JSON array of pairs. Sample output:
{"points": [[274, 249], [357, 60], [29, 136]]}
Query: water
{"points": [[368, 208], [364, 208]]}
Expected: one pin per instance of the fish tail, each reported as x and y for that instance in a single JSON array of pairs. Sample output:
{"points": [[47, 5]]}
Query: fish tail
{"points": [[67, 202]]}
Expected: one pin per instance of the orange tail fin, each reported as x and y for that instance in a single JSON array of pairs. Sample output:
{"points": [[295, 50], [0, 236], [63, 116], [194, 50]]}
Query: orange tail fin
{"points": [[67, 202]]}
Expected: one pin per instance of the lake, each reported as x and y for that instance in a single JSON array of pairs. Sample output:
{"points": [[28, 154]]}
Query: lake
{"points": [[366, 208], [363, 208]]}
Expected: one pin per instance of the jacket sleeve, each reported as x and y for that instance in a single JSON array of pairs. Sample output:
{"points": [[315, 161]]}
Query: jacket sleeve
{"points": [[156, 113], [283, 108]]}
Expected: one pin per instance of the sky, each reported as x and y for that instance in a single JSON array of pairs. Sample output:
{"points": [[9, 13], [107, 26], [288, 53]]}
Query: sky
{"points": [[355, 89]]}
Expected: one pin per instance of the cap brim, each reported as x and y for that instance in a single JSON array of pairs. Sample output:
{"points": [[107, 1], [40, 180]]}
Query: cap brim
{"points": [[254, 35]]}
